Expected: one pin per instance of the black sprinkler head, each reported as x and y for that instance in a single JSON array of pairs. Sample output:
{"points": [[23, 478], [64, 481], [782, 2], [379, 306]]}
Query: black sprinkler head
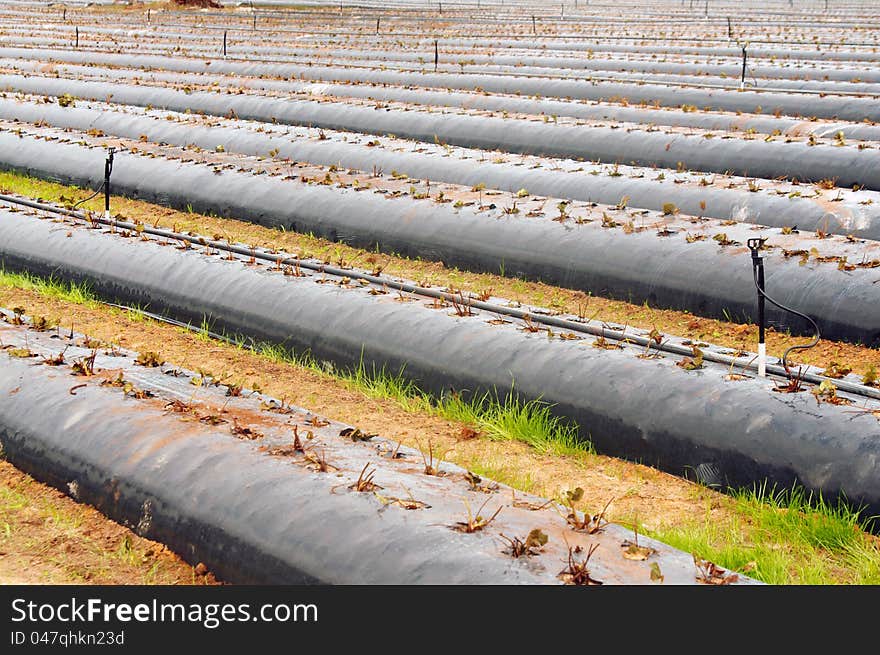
{"points": [[755, 246]]}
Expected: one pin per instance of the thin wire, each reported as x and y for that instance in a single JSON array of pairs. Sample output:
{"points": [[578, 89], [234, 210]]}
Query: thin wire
{"points": [[806, 346], [100, 188]]}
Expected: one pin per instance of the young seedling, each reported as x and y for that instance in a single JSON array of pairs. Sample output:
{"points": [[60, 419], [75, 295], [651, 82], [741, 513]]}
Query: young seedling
{"points": [[479, 189], [581, 311], [562, 207], [476, 483], [827, 392], [437, 303], [529, 325], [692, 363], [478, 522], [385, 450], [473, 480], [85, 366], [528, 547], [524, 504], [118, 381], [602, 342], [177, 407], [431, 467], [22, 353], [289, 449], [297, 442], [149, 358], [365, 482], [461, 306], [582, 521], [88, 342], [735, 377], [245, 432], [572, 497], [406, 503], [319, 462], [836, 371], [723, 240], [273, 406], [608, 222], [57, 360], [294, 271], [578, 573], [213, 419], [129, 389], [633, 551], [485, 294], [654, 337], [710, 573], [355, 434], [656, 573], [794, 384]]}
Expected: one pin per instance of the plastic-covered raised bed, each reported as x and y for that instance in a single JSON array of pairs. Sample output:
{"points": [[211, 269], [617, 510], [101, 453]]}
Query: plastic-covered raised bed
{"points": [[849, 165], [851, 214], [672, 271], [236, 492], [491, 102], [834, 107], [621, 400]]}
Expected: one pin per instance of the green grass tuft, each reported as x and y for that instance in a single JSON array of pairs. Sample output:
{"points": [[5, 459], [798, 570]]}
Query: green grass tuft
{"points": [[78, 293], [513, 419], [791, 535]]}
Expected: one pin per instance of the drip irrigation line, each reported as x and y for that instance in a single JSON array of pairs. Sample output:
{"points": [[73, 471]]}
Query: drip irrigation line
{"points": [[172, 321], [100, 188], [582, 327]]}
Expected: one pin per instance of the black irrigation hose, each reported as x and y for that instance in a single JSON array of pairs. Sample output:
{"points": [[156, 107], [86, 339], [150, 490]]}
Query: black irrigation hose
{"points": [[100, 188], [551, 321], [105, 185], [816, 336]]}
